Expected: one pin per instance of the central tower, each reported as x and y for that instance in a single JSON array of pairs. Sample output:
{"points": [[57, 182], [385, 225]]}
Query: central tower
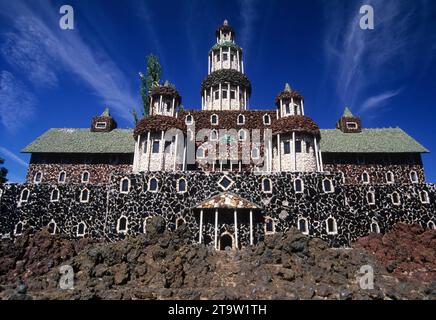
{"points": [[225, 87]]}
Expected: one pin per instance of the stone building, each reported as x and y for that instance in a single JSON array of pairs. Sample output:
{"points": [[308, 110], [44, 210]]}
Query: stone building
{"points": [[230, 174]]}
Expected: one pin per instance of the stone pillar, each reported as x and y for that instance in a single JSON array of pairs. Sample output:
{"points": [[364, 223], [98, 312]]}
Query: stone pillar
{"points": [[175, 152], [281, 109], [148, 150], [174, 106], [136, 156], [242, 66], [162, 149], [221, 96], [321, 165], [216, 229], [318, 168], [209, 63], [293, 107], [200, 230], [184, 156], [236, 228], [251, 227], [294, 153], [279, 153], [228, 96], [302, 107], [237, 61]]}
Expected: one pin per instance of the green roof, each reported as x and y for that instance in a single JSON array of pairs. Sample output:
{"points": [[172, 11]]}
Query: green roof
{"points": [[386, 140], [226, 44], [347, 113], [83, 141]]}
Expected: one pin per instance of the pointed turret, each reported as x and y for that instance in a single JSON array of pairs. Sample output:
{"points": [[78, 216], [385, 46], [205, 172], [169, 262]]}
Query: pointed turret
{"points": [[104, 122], [349, 123], [289, 102]]}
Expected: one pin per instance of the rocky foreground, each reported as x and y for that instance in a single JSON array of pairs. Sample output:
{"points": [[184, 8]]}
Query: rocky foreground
{"points": [[162, 265]]}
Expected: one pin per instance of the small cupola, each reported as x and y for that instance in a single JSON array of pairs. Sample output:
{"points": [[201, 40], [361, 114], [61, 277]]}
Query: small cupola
{"points": [[164, 100], [348, 123], [225, 33], [290, 102], [104, 122]]}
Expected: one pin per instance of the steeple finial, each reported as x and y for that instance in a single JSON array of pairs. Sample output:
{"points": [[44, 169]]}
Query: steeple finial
{"points": [[288, 88], [348, 113], [225, 23], [106, 112]]}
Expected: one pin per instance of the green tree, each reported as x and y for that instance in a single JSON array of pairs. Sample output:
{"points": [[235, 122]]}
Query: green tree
{"points": [[3, 172], [149, 80]]}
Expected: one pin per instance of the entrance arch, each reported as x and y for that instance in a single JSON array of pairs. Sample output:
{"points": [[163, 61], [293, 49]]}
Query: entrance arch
{"points": [[227, 241]]}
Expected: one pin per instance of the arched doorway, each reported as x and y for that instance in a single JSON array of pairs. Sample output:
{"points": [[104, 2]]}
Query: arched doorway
{"points": [[226, 242]]}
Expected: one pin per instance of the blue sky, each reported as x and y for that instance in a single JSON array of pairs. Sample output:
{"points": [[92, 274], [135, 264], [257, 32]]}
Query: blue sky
{"points": [[55, 78]]}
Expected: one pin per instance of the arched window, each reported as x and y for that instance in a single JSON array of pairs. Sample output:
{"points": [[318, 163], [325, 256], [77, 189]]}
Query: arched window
{"points": [[153, 185], [331, 225], [189, 119], [54, 197], [267, 185], [24, 196], [201, 153], [390, 177], [414, 177], [84, 195], [181, 185], [303, 225], [213, 135], [269, 226], [375, 227], [19, 227], [214, 119], [38, 177], [52, 227], [242, 135], [431, 225], [180, 222], [342, 176], [122, 225], [266, 120], [255, 153], [62, 177], [81, 229], [241, 119], [424, 197], [85, 177], [396, 199], [365, 178], [125, 185], [298, 185], [370, 197], [327, 186]]}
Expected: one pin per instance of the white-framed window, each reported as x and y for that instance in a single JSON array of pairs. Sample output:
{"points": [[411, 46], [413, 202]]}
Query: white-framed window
{"points": [[81, 229], [267, 185], [298, 185], [327, 186], [342, 176], [414, 177], [189, 119], [153, 185], [303, 225], [201, 153], [214, 119], [270, 227], [431, 225], [242, 135], [287, 147], [24, 196], [19, 228], [62, 177], [241, 119], [365, 178], [390, 178], [180, 222], [122, 225], [125, 185], [100, 125], [85, 177], [38, 177], [423, 195], [213, 135], [55, 195], [84, 195], [396, 199], [267, 119], [52, 226], [255, 153], [144, 226], [375, 228], [155, 147], [331, 225], [370, 197], [182, 185], [352, 125]]}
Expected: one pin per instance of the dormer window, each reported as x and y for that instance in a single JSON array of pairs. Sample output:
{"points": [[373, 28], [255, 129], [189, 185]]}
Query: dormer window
{"points": [[266, 120], [100, 125], [189, 119], [352, 125], [214, 119], [241, 119]]}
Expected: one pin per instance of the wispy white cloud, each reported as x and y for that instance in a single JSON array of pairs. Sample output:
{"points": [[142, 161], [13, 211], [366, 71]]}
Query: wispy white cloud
{"points": [[17, 104], [38, 48], [249, 15], [378, 101], [10, 155]]}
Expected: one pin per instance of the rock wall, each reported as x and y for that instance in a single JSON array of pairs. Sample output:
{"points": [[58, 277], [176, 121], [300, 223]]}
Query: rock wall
{"points": [[347, 204]]}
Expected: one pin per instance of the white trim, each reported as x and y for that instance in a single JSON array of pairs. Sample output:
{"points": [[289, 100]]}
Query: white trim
{"points": [[427, 198], [81, 195], [335, 226], [217, 119], [245, 135], [365, 173], [40, 179], [270, 184], [22, 228], [118, 225], [157, 185], [99, 123], [230, 184], [226, 233], [302, 185], [269, 118], [21, 196], [55, 227], [373, 197], [268, 218], [356, 126], [306, 225], [399, 198], [331, 185], [178, 185], [128, 185], [58, 195], [83, 173], [411, 176], [179, 219], [243, 120], [431, 225], [188, 123], [393, 177], [216, 135], [258, 153], [342, 176], [84, 229], [65, 176], [377, 227]]}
